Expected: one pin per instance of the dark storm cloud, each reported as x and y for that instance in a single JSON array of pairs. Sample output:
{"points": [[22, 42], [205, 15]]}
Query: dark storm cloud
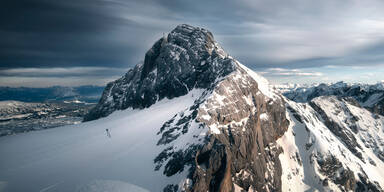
{"points": [[44, 33], [87, 35], [370, 55], [62, 72]]}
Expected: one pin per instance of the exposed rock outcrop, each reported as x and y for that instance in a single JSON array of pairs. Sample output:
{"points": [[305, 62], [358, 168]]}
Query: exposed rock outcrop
{"points": [[243, 150]]}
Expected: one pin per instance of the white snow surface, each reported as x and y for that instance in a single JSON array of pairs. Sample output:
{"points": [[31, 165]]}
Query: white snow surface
{"points": [[82, 156], [264, 116]]}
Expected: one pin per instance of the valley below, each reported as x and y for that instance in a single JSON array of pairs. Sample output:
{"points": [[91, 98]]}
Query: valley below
{"points": [[19, 117]]}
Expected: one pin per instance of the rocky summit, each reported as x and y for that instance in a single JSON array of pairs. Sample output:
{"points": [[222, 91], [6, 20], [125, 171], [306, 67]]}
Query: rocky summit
{"points": [[187, 58], [241, 116]]}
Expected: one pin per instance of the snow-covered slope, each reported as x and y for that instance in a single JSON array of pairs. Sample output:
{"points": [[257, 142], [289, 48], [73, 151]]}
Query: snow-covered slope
{"points": [[332, 144], [342, 147], [72, 157]]}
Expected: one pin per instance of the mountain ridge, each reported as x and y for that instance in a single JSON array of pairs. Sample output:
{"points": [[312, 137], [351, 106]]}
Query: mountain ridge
{"points": [[369, 96]]}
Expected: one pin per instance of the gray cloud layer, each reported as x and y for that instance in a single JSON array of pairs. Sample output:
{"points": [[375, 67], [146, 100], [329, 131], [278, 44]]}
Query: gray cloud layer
{"points": [[290, 34]]}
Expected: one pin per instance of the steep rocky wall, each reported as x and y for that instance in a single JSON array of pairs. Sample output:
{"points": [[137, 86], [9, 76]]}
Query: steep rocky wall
{"points": [[239, 151], [242, 150]]}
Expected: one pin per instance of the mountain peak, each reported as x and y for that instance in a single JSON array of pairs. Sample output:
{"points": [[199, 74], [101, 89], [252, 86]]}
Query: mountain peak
{"points": [[185, 42], [187, 58]]}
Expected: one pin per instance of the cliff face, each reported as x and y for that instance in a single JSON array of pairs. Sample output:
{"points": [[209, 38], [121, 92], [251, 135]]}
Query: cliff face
{"points": [[242, 152], [241, 120]]}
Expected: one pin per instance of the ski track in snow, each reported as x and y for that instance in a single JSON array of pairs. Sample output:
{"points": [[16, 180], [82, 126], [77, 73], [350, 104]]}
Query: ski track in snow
{"points": [[50, 187]]}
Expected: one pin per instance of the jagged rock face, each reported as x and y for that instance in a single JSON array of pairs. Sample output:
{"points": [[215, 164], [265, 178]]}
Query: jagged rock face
{"points": [[185, 59], [239, 150], [242, 151]]}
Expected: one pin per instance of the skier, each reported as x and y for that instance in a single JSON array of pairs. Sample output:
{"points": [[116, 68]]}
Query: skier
{"points": [[108, 133]]}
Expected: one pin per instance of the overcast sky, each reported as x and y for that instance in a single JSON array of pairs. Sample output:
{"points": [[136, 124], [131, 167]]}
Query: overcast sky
{"points": [[77, 42]]}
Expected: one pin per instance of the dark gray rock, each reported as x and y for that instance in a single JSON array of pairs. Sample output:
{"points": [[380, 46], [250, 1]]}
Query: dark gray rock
{"points": [[171, 188], [334, 170], [325, 182]]}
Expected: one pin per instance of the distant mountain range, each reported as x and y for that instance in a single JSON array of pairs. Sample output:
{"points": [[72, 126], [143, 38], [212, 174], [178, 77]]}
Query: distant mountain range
{"points": [[87, 93], [368, 96]]}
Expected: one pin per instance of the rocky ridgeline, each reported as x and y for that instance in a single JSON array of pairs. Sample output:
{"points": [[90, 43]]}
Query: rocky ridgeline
{"points": [[370, 97]]}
